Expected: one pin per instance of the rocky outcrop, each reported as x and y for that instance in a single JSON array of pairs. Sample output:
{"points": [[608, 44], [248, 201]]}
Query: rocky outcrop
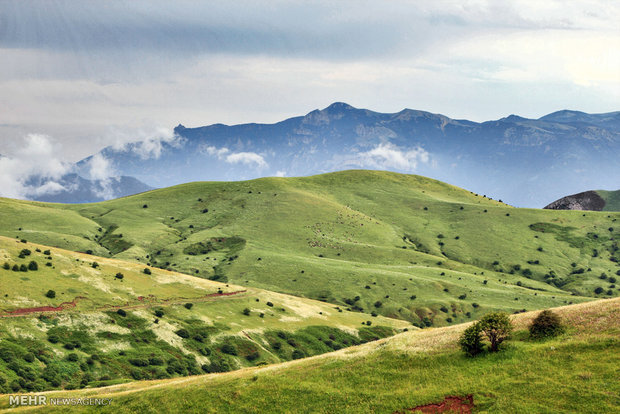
{"points": [[588, 200]]}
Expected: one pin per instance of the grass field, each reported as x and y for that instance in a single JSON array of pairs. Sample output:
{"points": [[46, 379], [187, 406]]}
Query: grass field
{"points": [[612, 199], [396, 245], [76, 337], [575, 372]]}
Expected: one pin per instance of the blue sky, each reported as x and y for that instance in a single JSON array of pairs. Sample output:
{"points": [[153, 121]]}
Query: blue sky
{"points": [[87, 74]]}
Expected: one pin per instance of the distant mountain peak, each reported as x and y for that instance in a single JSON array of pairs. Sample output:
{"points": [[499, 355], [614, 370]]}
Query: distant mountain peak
{"points": [[338, 107]]}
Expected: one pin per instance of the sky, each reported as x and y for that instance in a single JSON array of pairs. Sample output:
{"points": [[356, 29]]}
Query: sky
{"points": [[76, 76]]}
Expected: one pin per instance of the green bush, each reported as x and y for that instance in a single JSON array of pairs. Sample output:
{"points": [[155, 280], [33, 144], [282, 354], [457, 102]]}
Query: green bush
{"points": [[183, 333], [188, 305], [547, 324], [246, 311], [229, 349], [496, 326], [33, 266], [6, 266], [147, 271], [471, 340], [121, 312], [50, 294]]}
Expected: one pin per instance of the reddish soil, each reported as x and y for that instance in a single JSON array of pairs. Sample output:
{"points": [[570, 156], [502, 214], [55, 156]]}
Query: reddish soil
{"points": [[450, 404], [152, 300], [61, 307]]}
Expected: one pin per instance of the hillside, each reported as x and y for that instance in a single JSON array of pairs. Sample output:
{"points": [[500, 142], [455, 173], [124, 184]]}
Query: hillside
{"points": [[73, 320], [575, 372], [599, 200], [526, 162], [396, 245]]}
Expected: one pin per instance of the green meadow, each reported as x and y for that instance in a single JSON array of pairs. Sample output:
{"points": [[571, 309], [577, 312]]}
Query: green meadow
{"points": [[401, 246], [575, 372], [211, 277]]}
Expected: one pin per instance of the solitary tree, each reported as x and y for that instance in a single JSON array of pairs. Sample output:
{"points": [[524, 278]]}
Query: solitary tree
{"points": [[496, 326]]}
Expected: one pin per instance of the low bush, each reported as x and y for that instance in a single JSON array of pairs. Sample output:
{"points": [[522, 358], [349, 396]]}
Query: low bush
{"points": [[547, 324]]}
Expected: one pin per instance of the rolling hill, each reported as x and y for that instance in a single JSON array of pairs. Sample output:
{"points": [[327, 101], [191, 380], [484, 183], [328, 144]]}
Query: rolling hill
{"points": [[72, 320], [575, 372], [382, 243]]}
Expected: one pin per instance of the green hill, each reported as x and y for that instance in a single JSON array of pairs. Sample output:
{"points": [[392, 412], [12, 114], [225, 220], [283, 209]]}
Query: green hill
{"points": [[575, 372], [612, 199], [402, 246], [73, 320]]}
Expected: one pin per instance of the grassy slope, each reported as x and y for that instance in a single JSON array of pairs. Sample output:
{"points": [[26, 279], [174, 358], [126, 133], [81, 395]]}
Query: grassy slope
{"points": [[337, 236], [576, 372], [94, 323], [612, 199]]}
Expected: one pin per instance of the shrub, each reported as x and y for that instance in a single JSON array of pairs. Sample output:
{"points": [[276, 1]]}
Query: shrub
{"points": [[47, 252], [50, 294], [378, 304], [183, 333], [270, 304], [188, 305], [159, 313], [25, 252], [612, 280], [95, 265], [33, 266], [121, 312], [546, 324], [246, 311], [147, 271], [297, 354], [73, 357], [229, 349], [471, 340], [6, 266], [598, 290], [15, 268], [23, 268], [496, 326], [119, 276]]}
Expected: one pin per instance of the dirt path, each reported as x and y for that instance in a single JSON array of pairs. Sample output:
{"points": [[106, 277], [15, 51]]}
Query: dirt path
{"points": [[143, 302]]}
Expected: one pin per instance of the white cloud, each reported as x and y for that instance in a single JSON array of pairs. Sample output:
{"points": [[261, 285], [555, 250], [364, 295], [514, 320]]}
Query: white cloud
{"points": [[281, 174], [217, 152], [37, 157], [100, 168], [248, 158], [387, 155], [145, 142]]}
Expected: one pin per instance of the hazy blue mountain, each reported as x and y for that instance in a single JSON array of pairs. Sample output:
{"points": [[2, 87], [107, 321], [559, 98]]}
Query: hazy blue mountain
{"points": [[80, 190], [525, 162]]}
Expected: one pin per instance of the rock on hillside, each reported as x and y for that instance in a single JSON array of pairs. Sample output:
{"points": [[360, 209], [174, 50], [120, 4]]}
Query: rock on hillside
{"points": [[588, 200]]}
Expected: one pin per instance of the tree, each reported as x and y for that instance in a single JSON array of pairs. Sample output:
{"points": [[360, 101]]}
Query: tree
{"points": [[496, 326], [546, 324], [471, 340]]}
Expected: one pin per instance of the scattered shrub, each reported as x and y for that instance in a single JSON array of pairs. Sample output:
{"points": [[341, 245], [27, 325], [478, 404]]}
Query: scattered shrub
{"points": [[121, 312], [183, 333], [119, 276], [50, 294], [546, 324], [471, 340], [33, 266], [147, 271], [246, 311], [188, 305]]}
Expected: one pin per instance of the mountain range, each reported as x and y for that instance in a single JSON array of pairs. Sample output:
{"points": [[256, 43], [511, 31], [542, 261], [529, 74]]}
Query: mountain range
{"points": [[524, 162]]}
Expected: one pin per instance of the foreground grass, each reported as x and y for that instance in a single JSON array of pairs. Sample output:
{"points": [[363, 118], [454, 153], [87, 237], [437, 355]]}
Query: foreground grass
{"points": [[576, 372]]}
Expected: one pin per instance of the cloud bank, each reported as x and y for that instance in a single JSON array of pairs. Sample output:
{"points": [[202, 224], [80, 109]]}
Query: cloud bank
{"points": [[37, 157]]}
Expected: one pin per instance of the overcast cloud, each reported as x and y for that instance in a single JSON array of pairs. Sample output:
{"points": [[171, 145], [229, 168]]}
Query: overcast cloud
{"points": [[82, 71]]}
